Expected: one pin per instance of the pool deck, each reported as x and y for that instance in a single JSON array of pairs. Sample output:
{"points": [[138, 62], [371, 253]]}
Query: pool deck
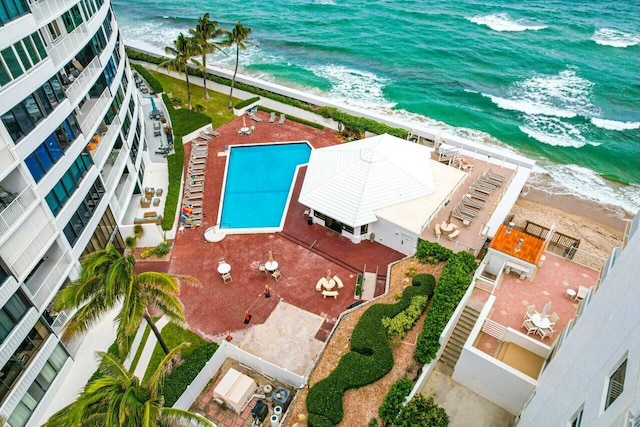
{"points": [[303, 251]]}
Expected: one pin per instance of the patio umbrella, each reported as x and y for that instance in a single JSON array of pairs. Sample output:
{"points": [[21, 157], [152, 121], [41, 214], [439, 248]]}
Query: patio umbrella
{"points": [[545, 310], [270, 256], [328, 274], [244, 122], [449, 218]]}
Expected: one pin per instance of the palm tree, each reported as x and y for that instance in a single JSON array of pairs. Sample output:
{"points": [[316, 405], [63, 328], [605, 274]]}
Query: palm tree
{"points": [[238, 36], [107, 278], [204, 37], [117, 398], [183, 50]]}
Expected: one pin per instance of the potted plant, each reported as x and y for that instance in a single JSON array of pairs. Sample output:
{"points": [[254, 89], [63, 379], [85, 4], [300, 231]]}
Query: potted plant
{"points": [[358, 290]]}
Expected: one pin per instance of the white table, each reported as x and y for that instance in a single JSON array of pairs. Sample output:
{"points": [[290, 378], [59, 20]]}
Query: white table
{"points": [[571, 294], [224, 268], [271, 265], [540, 322], [447, 228], [245, 130]]}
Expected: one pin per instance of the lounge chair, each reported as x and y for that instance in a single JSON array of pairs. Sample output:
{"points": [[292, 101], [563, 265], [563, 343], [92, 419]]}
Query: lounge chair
{"points": [[272, 118], [255, 117], [466, 200], [282, 119], [495, 176], [205, 136], [210, 131], [478, 195], [488, 179]]}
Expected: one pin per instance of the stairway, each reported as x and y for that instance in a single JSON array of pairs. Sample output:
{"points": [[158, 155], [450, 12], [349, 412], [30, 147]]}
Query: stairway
{"points": [[459, 336]]}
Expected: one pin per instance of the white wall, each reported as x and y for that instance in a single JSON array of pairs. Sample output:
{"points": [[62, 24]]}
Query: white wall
{"points": [[607, 331], [390, 235], [493, 380]]}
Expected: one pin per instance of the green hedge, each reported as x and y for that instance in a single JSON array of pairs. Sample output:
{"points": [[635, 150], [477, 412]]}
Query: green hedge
{"points": [[370, 359], [454, 282], [432, 253], [184, 122], [392, 404], [361, 124], [153, 82], [246, 102], [177, 382]]}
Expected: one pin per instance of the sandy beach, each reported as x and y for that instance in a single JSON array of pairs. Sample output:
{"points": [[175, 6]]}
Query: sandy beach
{"points": [[599, 229]]}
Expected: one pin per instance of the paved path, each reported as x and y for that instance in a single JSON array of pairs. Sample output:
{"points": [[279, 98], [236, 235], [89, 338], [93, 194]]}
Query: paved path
{"points": [[149, 346]]}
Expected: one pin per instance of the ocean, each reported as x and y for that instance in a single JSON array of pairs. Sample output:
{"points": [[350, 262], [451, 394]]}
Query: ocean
{"points": [[556, 80]]}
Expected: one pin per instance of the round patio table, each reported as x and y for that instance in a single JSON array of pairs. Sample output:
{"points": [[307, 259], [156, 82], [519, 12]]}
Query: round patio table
{"points": [[271, 265], [224, 268]]}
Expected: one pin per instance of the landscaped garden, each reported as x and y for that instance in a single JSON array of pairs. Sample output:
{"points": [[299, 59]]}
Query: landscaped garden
{"points": [[453, 273]]}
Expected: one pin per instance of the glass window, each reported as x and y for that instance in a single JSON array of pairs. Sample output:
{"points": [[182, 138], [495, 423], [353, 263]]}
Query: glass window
{"points": [[616, 384], [28, 44], [33, 109], [44, 157], [26, 62], [12, 125], [12, 62], [4, 74], [55, 150], [34, 167]]}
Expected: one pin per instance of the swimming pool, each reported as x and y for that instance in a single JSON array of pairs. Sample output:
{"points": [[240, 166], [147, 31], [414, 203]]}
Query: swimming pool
{"points": [[258, 182]]}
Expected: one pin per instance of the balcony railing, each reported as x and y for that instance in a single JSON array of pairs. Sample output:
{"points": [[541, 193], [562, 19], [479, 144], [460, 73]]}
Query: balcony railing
{"points": [[42, 288], [67, 46], [10, 215], [6, 157], [44, 9], [82, 83], [61, 320], [92, 111]]}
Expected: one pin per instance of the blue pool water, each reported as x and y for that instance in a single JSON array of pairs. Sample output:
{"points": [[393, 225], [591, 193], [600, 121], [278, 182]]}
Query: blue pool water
{"points": [[259, 178]]}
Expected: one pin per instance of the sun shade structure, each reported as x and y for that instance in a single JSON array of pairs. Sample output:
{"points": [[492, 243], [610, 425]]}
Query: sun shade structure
{"points": [[349, 182]]}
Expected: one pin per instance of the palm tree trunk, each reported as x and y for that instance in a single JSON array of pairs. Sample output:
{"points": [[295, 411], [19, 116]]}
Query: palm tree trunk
{"points": [[186, 74], [156, 332], [233, 80], [204, 75]]}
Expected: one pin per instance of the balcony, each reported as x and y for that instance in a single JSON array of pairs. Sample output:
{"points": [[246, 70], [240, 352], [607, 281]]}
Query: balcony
{"points": [[65, 48], [46, 280], [44, 10], [7, 158], [17, 208], [92, 111], [102, 142], [79, 87]]}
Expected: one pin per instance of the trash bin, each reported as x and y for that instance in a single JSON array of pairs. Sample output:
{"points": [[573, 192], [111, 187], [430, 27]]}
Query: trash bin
{"points": [[310, 220]]}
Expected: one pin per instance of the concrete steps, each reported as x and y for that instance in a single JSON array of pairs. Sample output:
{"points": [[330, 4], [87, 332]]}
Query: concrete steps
{"points": [[459, 336]]}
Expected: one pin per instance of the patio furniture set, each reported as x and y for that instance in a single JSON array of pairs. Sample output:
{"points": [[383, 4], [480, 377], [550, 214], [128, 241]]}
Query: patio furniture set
{"points": [[539, 323]]}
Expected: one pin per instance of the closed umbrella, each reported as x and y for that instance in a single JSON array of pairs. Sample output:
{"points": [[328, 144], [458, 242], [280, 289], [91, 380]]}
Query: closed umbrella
{"points": [[546, 309], [244, 123], [449, 218], [270, 256]]}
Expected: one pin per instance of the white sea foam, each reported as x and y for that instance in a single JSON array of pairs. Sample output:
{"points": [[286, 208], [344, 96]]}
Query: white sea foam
{"points": [[503, 22], [583, 182], [354, 87], [554, 131], [529, 107], [614, 124], [615, 38]]}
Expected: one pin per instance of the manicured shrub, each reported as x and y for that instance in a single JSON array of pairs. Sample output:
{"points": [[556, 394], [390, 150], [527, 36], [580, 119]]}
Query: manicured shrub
{"points": [[394, 399], [454, 282], [153, 82], [422, 412], [179, 379], [432, 253], [370, 359], [246, 102], [424, 280], [399, 325]]}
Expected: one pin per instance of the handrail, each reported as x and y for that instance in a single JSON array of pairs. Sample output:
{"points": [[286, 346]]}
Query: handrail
{"points": [[18, 207]]}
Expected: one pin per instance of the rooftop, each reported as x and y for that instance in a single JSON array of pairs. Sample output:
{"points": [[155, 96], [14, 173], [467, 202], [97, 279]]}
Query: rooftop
{"points": [[518, 244]]}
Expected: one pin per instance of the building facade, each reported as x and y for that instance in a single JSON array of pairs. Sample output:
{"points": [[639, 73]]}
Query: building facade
{"points": [[592, 377], [71, 144]]}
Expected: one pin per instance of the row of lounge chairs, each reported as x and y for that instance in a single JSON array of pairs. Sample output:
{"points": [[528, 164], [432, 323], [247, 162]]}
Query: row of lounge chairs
{"points": [[272, 118], [191, 215], [472, 202], [209, 133]]}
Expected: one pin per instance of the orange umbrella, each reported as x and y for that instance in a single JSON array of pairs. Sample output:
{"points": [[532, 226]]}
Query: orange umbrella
{"points": [[270, 256]]}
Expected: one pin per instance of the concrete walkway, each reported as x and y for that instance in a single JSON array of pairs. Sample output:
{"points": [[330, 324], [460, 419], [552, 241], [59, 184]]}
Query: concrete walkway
{"points": [[149, 346]]}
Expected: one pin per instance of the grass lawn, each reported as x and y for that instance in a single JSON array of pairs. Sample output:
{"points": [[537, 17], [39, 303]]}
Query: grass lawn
{"points": [[173, 335], [216, 107]]}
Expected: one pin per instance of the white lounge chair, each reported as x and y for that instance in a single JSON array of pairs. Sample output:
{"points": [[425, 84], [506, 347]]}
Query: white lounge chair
{"points": [[282, 119], [255, 117], [204, 135], [272, 118], [210, 131]]}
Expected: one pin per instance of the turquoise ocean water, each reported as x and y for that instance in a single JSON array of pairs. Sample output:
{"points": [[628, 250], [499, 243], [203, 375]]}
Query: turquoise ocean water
{"points": [[556, 80]]}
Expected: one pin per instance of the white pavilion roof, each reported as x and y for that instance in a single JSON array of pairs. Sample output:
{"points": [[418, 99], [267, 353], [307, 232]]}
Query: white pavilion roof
{"points": [[350, 181]]}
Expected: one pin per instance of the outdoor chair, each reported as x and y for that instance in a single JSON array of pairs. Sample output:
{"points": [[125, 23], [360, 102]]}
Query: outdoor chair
{"points": [[531, 310], [221, 261], [276, 275], [545, 332], [529, 326], [262, 269], [282, 119], [205, 136], [272, 118], [582, 292], [495, 176], [553, 319], [226, 277]]}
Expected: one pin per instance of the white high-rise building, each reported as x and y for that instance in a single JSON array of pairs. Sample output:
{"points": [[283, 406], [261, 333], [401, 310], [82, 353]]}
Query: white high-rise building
{"points": [[71, 144], [592, 377]]}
